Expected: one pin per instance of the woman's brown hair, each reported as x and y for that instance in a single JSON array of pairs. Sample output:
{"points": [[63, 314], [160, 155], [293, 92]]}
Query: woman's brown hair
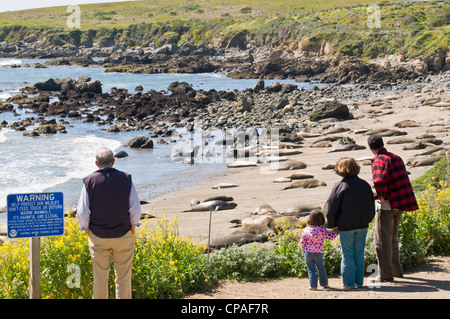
{"points": [[316, 218], [347, 166]]}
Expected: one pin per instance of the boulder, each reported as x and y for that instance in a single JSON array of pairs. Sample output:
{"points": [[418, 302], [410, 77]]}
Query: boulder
{"points": [[49, 85], [81, 85], [243, 105], [329, 109], [141, 142], [259, 85], [85, 84]]}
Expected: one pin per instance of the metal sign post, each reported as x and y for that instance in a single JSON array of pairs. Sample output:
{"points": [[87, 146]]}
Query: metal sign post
{"points": [[209, 239], [34, 216]]}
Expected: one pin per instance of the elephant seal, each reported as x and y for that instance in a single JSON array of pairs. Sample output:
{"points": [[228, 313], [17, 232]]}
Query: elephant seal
{"points": [[211, 205], [430, 150], [401, 140], [224, 198], [299, 210], [288, 152], [386, 132], [328, 138], [238, 164], [272, 159], [259, 220], [434, 141], [290, 165], [305, 183], [335, 130], [348, 147], [282, 180], [237, 239], [194, 202], [264, 209], [415, 146], [329, 166], [425, 136], [300, 176], [426, 161], [224, 185], [288, 145], [322, 144], [406, 123]]}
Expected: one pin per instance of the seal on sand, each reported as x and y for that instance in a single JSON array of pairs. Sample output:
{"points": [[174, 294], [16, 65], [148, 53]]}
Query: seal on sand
{"points": [[211, 205], [300, 176], [219, 197], [238, 239], [264, 209], [224, 185], [415, 146], [305, 183], [430, 150], [401, 140], [425, 161], [282, 180], [348, 147], [299, 210], [238, 164], [329, 166], [289, 165]]}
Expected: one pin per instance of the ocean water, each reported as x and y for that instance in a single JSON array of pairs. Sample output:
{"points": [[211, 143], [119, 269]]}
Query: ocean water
{"points": [[59, 162]]}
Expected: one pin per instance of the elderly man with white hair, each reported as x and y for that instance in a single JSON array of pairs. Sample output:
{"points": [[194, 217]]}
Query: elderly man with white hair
{"points": [[109, 210]]}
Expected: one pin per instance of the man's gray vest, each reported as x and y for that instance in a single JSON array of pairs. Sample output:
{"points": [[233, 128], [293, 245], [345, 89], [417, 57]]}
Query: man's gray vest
{"points": [[109, 193]]}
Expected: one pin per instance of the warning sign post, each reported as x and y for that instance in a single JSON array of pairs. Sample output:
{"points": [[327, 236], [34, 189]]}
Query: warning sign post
{"points": [[33, 216]]}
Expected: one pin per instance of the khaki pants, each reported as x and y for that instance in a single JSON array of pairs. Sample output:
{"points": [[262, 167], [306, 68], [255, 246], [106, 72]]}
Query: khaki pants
{"points": [[121, 250], [386, 242]]}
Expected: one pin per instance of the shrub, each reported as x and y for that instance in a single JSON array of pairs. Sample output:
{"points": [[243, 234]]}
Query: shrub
{"points": [[432, 176], [165, 264], [246, 10], [237, 263]]}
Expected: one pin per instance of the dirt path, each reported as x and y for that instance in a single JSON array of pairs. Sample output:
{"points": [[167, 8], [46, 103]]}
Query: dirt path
{"points": [[430, 280]]}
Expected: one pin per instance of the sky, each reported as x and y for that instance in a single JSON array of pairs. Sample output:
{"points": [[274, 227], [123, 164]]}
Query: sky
{"points": [[13, 5]]}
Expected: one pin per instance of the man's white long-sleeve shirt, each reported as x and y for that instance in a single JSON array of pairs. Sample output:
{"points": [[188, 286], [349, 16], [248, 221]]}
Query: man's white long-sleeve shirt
{"points": [[84, 213]]}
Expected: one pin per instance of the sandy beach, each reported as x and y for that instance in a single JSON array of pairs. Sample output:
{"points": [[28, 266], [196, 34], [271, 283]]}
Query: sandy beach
{"points": [[256, 186]]}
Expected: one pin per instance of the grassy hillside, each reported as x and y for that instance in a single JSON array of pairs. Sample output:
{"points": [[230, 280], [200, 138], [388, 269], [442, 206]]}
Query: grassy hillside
{"points": [[122, 14], [414, 28]]}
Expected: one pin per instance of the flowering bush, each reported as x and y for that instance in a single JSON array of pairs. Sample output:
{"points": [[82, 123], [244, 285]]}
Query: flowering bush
{"points": [[165, 264], [57, 254], [256, 262], [14, 269], [426, 232]]}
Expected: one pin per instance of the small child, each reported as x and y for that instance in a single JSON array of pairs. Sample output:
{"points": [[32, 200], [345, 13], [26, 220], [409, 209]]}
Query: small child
{"points": [[312, 242]]}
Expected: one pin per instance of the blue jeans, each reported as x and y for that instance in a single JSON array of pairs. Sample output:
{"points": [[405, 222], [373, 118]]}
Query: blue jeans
{"points": [[353, 243], [314, 260]]}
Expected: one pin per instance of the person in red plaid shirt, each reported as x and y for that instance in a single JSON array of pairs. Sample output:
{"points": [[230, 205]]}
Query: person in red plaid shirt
{"points": [[395, 195]]}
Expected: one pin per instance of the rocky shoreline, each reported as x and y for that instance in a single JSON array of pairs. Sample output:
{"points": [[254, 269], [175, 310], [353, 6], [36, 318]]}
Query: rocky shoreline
{"points": [[160, 112], [180, 105], [234, 61]]}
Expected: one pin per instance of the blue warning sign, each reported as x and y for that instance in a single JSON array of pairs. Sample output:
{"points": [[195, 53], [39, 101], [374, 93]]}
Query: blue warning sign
{"points": [[35, 215]]}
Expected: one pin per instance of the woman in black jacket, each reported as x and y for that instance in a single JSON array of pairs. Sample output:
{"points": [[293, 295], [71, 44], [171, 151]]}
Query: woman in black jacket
{"points": [[350, 209]]}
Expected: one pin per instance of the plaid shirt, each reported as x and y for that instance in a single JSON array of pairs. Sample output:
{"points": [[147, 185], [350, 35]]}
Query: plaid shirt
{"points": [[392, 182]]}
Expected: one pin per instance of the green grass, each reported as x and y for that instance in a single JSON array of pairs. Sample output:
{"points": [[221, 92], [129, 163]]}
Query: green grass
{"points": [[424, 26], [122, 14]]}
